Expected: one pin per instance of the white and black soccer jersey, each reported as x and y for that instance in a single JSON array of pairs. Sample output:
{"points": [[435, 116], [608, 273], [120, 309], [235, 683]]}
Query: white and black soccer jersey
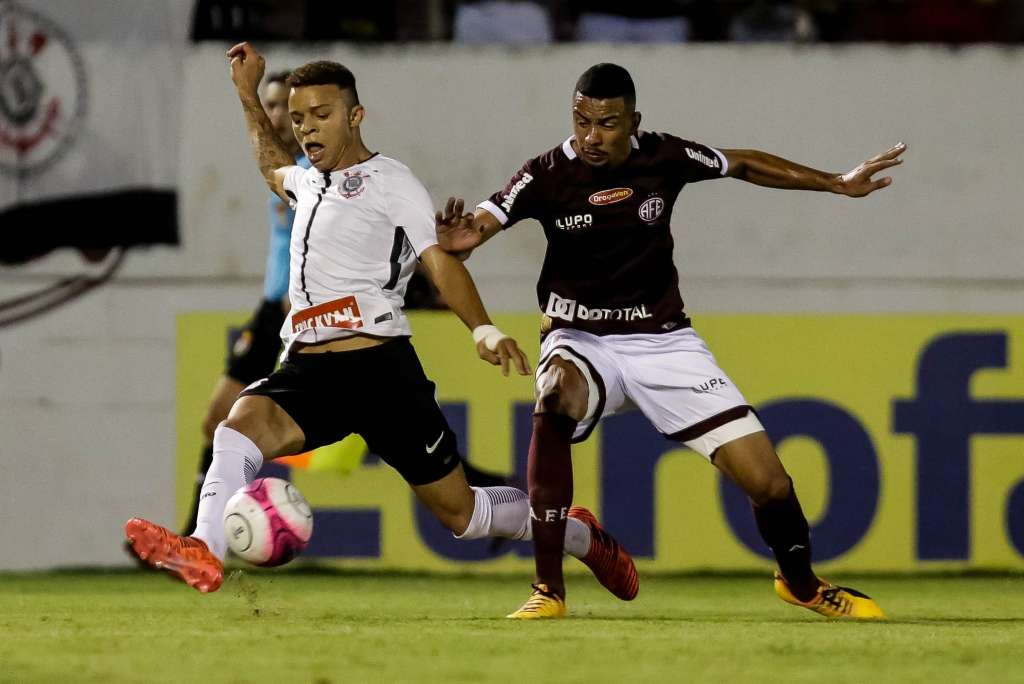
{"points": [[608, 267], [355, 240]]}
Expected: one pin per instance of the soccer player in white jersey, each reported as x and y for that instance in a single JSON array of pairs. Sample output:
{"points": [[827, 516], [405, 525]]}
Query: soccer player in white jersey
{"points": [[255, 354], [615, 332], [362, 220]]}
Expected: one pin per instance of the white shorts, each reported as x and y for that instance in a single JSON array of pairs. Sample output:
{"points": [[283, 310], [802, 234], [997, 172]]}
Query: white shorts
{"points": [[671, 377]]}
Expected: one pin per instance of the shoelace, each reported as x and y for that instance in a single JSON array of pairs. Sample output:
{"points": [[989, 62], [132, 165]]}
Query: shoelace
{"points": [[537, 600], [833, 597]]}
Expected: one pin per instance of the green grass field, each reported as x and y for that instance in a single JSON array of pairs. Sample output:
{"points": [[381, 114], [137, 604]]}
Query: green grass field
{"points": [[358, 627]]}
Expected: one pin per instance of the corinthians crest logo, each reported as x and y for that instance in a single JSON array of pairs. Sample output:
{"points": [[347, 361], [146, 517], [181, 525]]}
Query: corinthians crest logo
{"points": [[42, 90], [353, 184]]}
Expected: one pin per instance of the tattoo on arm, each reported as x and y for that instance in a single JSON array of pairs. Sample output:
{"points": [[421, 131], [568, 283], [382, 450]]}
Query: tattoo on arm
{"points": [[271, 153]]}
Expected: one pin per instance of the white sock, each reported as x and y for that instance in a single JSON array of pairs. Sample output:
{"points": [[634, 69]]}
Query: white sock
{"points": [[236, 460], [505, 512], [577, 538]]}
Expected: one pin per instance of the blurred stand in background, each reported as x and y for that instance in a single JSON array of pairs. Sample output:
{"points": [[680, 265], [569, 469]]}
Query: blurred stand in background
{"points": [[773, 22], [502, 21], [533, 22], [660, 21]]}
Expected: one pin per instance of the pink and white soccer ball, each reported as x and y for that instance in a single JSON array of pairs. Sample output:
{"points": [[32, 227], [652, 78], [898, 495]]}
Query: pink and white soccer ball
{"points": [[268, 522]]}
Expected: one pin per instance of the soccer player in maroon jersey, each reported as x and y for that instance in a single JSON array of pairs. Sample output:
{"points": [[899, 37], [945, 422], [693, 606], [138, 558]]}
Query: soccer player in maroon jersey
{"points": [[615, 332]]}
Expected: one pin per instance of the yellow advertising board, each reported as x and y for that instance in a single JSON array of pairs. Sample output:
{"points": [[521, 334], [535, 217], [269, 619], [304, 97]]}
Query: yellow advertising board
{"points": [[904, 436]]}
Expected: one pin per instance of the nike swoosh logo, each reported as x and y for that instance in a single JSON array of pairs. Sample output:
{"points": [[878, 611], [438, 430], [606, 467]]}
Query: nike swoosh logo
{"points": [[433, 448], [796, 547]]}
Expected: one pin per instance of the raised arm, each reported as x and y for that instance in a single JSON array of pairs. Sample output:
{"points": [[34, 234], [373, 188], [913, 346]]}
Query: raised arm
{"points": [[272, 155], [770, 171]]}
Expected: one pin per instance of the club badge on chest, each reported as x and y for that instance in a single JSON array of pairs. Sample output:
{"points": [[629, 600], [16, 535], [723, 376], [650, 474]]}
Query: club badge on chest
{"points": [[353, 185]]}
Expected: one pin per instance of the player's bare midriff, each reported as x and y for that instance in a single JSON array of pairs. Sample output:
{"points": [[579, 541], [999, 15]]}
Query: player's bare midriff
{"points": [[344, 344]]}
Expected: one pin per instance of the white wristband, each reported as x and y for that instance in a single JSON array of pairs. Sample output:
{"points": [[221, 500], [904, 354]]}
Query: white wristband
{"points": [[489, 334]]}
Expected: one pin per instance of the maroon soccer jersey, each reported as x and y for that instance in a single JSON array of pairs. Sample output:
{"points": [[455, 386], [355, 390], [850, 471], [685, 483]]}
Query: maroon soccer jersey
{"points": [[608, 267]]}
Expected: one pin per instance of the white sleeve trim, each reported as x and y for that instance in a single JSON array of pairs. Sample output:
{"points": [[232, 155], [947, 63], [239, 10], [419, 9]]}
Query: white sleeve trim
{"points": [[292, 174], [494, 210], [722, 158], [419, 248], [567, 148], [291, 182]]}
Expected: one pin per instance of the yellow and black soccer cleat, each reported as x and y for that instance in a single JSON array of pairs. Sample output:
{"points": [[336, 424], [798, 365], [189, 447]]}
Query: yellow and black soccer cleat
{"points": [[543, 603], [833, 601]]}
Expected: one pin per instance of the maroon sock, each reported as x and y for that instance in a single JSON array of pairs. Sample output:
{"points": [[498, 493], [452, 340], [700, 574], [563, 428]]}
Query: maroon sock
{"points": [[784, 528], [549, 474]]}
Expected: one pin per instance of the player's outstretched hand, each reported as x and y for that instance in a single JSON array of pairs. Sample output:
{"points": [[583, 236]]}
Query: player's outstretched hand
{"points": [[247, 67], [858, 183], [505, 351], [455, 232]]}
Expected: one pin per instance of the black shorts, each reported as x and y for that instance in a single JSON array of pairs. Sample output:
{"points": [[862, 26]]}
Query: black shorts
{"points": [[380, 393], [254, 354]]}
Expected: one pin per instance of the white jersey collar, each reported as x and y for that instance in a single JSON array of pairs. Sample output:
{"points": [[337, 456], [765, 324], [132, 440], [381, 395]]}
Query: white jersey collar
{"points": [[567, 148], [341, 174], [571, 153]]}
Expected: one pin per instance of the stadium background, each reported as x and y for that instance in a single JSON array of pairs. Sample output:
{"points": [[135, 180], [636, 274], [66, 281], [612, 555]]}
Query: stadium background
{"points": [[804, 298]]}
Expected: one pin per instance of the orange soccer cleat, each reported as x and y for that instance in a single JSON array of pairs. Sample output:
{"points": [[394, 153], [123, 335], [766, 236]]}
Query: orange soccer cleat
{"points": [[611, 564], [187, 558]]}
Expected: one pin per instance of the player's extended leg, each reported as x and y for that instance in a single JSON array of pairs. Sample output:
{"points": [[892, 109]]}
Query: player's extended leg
{"points": [[224, 394], [452, 500], [561, 404], [252, 356], [752, 463], [479, 512], [483, 478], [255, 427]]}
